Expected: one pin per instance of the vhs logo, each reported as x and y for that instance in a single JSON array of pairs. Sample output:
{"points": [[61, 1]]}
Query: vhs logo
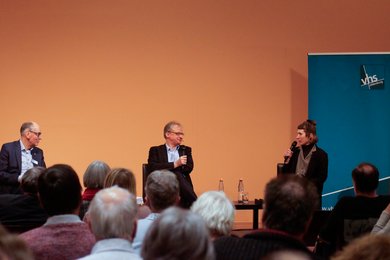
{"points": [[372, 76]]}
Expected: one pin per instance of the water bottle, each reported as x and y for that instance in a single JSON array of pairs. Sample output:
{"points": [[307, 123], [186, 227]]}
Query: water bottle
{"points": [[240, 191], [221, 187]]}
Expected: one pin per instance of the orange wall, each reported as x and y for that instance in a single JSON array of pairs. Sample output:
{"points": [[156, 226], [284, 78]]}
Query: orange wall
{"points": [[103, 77]]}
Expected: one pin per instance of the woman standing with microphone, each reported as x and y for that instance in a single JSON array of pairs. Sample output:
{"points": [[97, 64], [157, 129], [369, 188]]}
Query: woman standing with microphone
{"points": [[305, 158]]}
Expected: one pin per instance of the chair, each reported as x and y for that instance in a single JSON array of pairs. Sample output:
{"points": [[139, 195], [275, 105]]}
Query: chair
{"points": [[257, 245], [145, 174], [279, 169]]}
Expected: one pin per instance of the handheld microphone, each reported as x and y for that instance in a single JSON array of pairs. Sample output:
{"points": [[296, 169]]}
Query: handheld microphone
{"points": [[293, 145], [183, 148]]}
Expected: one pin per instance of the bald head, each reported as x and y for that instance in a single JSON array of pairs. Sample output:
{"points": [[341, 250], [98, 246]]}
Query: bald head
{"points": [[113, 214]]}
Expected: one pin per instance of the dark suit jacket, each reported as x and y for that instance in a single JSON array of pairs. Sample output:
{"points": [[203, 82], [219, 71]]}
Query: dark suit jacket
{"points": [[21, 212], [11, 165], [158, 160], [317, 170]]}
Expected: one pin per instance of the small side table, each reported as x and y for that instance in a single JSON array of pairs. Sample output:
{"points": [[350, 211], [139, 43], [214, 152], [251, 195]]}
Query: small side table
{"points": [[251, 205]]}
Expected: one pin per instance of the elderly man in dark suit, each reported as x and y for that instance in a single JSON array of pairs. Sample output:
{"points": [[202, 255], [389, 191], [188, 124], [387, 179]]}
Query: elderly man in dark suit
{"points": [[176, 158], [19, 156]]}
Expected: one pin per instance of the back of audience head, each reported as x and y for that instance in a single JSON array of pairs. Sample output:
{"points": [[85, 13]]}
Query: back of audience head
{"points": [[95, 174], [162, 190], [59, 190], [112, 214], [289, 204], [217, 211], [178, 234], [365, 178], [121, 177], [367, 247], [13, 247], [29, 182]]}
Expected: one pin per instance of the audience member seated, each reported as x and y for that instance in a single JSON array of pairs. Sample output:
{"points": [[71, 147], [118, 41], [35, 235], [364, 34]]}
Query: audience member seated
{"points": [[113, 220], [367, 247], [353, 216], [12, 247], [93, 180], [162, 191], [64, 235], [22, 212], [178, 234], [289, 204], [217, 211], [124, 178]]}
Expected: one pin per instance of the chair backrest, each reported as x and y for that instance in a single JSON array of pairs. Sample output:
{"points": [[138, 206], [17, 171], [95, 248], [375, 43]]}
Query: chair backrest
{"points": [[257, 245], [279, 168], [354, 228], [145, 174]]}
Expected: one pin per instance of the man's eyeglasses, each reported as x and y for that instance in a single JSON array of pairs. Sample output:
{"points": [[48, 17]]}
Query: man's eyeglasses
{"points": [[38, 134], [177, 133]]}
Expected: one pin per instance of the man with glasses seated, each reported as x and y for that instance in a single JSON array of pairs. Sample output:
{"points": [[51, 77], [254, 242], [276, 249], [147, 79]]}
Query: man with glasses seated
{"points": [[177, 158], [19, 156]]}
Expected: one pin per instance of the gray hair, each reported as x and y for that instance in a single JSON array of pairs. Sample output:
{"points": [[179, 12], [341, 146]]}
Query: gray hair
{"points": [[29, 182], [95, 174], [162, 189], [217, 211], [26, 126], [113, 213], [169, 125], [178, 234]]}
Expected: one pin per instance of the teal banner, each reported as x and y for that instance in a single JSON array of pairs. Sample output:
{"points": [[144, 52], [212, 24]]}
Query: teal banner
{"points": [[349, 97]]}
